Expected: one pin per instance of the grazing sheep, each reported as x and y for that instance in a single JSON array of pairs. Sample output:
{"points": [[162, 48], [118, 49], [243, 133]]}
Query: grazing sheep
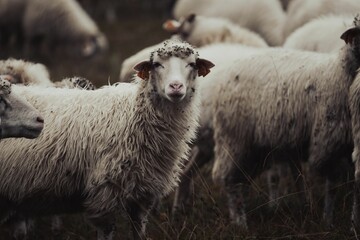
{"points": [[265, 17], [53, 23], [133, 140], [320, 35], [284, 104], [201, 30], [17, 117], [302, 11]]}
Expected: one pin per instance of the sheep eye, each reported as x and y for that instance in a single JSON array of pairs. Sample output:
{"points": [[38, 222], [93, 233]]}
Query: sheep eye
{"points": [[192, 64], [157, 64]]}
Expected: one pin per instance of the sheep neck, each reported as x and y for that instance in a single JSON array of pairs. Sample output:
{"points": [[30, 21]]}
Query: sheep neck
{"points": [[350, 60], [166, 129]]}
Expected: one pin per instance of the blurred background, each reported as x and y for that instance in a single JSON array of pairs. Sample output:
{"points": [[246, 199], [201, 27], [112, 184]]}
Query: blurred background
{"points": [[129, 25]]}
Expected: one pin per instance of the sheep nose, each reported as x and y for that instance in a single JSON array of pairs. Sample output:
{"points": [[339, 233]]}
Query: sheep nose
{"points": [[176, 86], [40, 119]]}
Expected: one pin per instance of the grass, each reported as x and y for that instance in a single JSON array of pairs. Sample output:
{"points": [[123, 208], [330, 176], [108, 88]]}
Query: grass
{"points": [[208, 217]]}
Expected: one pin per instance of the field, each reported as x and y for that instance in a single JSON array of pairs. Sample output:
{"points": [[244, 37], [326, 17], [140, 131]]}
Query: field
{"points": [[208, 216]]}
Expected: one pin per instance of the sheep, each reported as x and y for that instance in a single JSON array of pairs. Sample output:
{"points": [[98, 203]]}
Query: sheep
{"points": [[302, 11], [17, 117], [129, 155], [280, 104], [201, 30], [202, 152], [25, 72], [221, 55], [265, 17], [319, 35], [53, 23]]}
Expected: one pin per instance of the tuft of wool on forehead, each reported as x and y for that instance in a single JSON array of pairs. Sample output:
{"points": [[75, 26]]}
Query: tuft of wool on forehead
{"points": [[5, 86], [174, 48]]}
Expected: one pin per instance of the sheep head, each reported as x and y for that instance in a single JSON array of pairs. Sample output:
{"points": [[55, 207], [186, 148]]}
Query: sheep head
{"points": [[173, 68], [351, 34], [17, 117]]}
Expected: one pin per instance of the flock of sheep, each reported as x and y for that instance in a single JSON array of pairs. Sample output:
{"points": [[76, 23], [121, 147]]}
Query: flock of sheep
{"points": [[268, 82]]}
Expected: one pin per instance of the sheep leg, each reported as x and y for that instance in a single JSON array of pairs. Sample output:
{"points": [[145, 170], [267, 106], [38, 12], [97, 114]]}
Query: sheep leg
{"points": [[356, 203], [105, 226], [273, 181], [297, 174], [138, 212], [56, 224], [329, 203], [22, 228], [236, 204], [198, 159]]}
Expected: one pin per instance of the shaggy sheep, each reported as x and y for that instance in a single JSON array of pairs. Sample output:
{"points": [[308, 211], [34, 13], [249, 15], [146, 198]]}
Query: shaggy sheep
{"points": [[133, 144], [25, 72], [280, 104], [17, 117], [265, 17], [302, 11], [222, 55], [201, 30], [320, 35], [56, 23]]}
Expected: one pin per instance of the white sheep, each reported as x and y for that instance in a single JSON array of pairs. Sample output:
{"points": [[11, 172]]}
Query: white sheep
{"points": [[25, 72], [115, 148], [320, 34], [222, 55], [17, 117], [265, 17], [302, 11], [54, 23], [283, 104], [201, 30]]}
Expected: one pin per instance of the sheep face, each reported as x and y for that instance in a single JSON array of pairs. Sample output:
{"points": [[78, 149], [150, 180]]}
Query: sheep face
{"points": [[174, 76], [17, 117], [172, 70]]}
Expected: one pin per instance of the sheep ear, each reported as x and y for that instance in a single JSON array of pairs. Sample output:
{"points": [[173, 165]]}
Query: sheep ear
{"points": [[203, 66], [172, 26], [350, 34], [143, 69]]}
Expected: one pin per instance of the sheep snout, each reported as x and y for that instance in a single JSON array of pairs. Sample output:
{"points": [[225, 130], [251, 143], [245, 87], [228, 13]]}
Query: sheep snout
{"points": [[175, 91]]}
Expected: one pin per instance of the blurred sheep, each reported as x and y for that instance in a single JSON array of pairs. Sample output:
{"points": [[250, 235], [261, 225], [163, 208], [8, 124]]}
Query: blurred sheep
{"points": [[51, 24]]}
